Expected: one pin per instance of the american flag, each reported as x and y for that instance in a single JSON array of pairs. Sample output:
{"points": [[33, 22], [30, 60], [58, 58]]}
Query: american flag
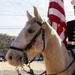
{"points": [[57, 18]]}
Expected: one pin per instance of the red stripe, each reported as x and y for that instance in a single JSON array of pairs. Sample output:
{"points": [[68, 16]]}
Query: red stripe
{"points": [[57, 20], [57, 6], [59, 30]]}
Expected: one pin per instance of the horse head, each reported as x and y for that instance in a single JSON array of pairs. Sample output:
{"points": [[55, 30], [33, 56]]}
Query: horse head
{"points": [[30, 42]]}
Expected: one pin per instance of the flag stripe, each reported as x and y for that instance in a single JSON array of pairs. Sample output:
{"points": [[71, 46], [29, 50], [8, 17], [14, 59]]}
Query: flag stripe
{"points": [[53, 11], [56, 15], [54, 25], [57, 6], [61, 35], [57, 20], [59, 2]]}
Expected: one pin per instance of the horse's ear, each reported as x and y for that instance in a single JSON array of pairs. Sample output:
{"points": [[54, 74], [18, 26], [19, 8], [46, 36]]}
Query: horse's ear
{"points": [[28, 15], [37, 16]]}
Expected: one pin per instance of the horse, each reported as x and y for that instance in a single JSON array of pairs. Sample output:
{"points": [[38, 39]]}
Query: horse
{"points": [[39, 37]]}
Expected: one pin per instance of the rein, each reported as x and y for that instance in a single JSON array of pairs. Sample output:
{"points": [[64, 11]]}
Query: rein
{"points": [[29, 45], [31, 72]]}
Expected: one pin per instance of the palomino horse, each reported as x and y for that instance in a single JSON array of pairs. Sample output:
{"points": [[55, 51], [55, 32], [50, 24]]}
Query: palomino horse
{"points": [[39, 37]]}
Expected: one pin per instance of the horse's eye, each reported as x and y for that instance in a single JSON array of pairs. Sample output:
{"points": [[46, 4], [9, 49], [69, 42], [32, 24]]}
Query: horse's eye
{"points": [[30, 30]]}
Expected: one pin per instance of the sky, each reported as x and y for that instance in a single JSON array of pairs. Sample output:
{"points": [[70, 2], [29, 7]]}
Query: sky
{"points": [[13, 13]]}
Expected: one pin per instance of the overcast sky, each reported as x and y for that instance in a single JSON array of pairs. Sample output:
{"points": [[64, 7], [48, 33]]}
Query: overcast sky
{"points": [[13, 13]]}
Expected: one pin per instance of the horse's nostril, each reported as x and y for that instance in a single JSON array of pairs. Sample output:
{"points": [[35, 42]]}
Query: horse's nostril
{"points": [[10, 57], [20, 58]]}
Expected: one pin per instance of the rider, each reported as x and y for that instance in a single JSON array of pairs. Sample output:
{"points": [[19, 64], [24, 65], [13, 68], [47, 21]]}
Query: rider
{"points": [[71, 36]]}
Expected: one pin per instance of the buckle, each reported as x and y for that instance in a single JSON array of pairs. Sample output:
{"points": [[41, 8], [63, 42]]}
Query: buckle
{"points": [[44, 26], [73, 43]]}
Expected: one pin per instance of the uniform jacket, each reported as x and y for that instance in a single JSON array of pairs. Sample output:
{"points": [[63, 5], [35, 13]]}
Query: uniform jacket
{"points": [[71, 33]]}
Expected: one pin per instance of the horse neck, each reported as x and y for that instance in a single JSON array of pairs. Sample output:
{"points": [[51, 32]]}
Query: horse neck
{"points": [[55, 54]]}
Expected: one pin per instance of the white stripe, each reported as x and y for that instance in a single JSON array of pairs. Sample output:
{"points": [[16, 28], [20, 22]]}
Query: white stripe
{"points": [[58, 2], [57, 13], [62, 36], [54, 25]]}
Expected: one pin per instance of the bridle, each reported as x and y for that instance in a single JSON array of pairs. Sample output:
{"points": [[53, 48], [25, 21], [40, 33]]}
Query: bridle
{"points": [[33, 40], [30, 44]]}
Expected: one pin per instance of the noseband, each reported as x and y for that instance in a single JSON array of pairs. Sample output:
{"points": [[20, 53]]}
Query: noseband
{"points": [[33, 40]]}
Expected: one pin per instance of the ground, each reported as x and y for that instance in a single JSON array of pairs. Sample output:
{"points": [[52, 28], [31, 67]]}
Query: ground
{"points": [[6, 69]]}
